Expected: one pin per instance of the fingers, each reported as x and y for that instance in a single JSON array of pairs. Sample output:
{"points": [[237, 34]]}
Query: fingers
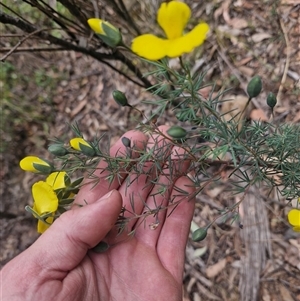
{"points": [[73, 233], [93, 190], [174, 233], [161, 196], [137, 186]]}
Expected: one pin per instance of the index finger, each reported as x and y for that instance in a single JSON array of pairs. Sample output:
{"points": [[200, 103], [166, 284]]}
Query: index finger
{"points": [[97, 185]]}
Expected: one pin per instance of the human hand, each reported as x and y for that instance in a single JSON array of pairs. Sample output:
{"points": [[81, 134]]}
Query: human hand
{"points": [[60, 265]]}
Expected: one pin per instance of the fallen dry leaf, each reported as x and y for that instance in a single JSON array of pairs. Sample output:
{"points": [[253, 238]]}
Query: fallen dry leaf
{"points": [[286, 296], [215, 269], [258, 114], [247, 71], [238, 23], [289, 2], [258, 37], [232, 108], [296, 118]]}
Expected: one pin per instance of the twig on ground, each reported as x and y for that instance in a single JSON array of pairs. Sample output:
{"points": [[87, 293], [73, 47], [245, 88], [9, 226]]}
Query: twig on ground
{"points": [[287, 63]]}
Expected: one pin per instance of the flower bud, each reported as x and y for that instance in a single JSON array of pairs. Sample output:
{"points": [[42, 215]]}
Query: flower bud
{"points": [[177, 132], [36, 165], [101, 247], [199, 234], [83, 146], [120, 98], [57, 150], [108, 33], [126, 142], [271, 100], [254, 86]]}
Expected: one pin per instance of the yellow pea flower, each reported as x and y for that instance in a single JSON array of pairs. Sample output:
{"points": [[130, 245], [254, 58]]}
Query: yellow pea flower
{"points": [[77, 143], [83, 146], [108, 33], [294, 219], [57, 180], [172, 17], [45, 202], [36, 165]]}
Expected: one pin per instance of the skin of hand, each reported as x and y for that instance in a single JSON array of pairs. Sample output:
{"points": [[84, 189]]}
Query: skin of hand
{"points": [[147, 266]]}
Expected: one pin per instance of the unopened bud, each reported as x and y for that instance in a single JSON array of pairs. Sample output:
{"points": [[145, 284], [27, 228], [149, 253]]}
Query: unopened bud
{"points": [[177, 132], [126, 142], [36, 165], [101, 247], [254, 86], [120, 98], [83, 146], [57, 150], [271, 100], [108, 33], [199, 234]]}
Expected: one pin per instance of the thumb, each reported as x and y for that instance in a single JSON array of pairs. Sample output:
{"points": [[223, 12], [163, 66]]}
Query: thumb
{"points": [[63, 246]]}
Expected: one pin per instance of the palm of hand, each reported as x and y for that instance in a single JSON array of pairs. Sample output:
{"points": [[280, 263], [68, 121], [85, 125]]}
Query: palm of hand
{"points": [[130, 271], [146, 266]]}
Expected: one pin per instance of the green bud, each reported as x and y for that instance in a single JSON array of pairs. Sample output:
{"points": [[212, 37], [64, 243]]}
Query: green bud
{"points": [[43, 169], [120, 98], [57, 150], [199, 234], [108, 33], [101, 247], [177, 132], [254, 86], [83, 146], [36, 165], [112, 35], [126, 142], [271, 100], [86, 150]]}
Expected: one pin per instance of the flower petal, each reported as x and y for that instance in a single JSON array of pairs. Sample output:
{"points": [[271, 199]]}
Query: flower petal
{"points": [[95, 25], [42, 227], [75, 143], [189, 41], [173, 17], [57, 179], [296, 229], [150, 47], [45, 199], [294, 217], [28, 163]]}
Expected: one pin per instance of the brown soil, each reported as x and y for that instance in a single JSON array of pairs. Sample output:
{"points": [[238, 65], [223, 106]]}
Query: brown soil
{"points": [[247, 38]]}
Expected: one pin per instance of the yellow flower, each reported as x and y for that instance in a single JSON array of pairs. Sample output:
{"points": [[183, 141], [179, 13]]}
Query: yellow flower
{"points": [[294, 219], [36, 165], [108, 33], [45, 202], [57, 180], [172, 17], [83, 146], [77, 143]]}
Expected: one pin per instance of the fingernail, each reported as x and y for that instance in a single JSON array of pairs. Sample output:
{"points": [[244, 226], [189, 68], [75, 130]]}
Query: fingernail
{"points": [[106, 196]]}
